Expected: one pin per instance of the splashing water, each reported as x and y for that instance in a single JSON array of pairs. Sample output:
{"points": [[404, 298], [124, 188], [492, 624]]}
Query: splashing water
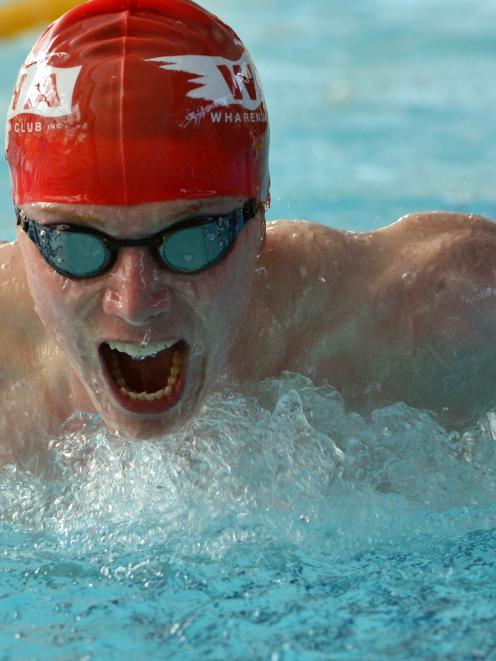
{"points": [[275, 525]]}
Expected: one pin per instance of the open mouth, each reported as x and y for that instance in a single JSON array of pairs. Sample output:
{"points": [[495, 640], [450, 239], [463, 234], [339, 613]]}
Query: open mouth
{"points": [[145, 379]]}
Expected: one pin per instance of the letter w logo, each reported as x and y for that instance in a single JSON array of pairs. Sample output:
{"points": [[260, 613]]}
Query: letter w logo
{"points": [[239, 80], [218, 80]]}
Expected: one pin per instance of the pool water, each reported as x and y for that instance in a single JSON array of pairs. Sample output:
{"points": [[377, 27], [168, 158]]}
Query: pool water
{"points": [[279, 525]]}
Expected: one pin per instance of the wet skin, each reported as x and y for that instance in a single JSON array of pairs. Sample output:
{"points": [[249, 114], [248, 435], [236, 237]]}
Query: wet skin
{"points": [[137, 299], [403, 313]]}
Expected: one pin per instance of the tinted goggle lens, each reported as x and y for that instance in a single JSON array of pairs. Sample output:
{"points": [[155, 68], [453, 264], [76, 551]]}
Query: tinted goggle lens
{"points": [[197, 247], [75, 254]]}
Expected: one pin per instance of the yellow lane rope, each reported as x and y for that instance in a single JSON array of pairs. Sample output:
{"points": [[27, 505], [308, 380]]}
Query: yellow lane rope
{"points": [[21, 15]]}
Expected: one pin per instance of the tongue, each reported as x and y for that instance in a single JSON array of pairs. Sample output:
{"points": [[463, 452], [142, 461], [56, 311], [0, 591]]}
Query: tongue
{"points": [[149, 375]]}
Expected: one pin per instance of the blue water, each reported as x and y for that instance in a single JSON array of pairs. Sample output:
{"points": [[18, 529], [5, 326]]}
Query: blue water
{"points": [[278, 525]]}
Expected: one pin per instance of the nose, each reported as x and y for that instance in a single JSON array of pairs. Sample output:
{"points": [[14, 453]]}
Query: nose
{"points": [[136, 291]]}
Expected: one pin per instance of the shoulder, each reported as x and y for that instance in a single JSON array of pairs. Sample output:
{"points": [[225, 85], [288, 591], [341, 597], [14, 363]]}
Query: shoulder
{"points": [[32, 374], [300, 255], [436, 300], [310, 276], [301, 234], [310, 250], [449, 227], [12, 279], [442, 243], [428, 242], [443, 220], [436, 278], [21, 330]]}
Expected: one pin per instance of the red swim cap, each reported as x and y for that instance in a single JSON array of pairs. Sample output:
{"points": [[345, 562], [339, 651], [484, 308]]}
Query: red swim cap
{"points": [[132, 101]]}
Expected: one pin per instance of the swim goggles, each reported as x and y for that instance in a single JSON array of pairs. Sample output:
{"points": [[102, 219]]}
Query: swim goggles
{"points": [[189, 246]]}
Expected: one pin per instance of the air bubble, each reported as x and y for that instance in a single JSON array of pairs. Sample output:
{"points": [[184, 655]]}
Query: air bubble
{"points": [[197, 349]]}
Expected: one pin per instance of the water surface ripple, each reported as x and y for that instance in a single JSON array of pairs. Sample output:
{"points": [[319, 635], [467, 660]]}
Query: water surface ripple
{"points": [[276, 525]]}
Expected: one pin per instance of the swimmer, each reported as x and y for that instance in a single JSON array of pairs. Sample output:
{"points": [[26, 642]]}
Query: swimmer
{"points": [[143, 272]]}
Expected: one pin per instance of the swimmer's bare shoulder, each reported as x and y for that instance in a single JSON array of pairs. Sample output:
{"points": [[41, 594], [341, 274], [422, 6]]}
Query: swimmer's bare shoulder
{"points": [[307, 300], [19, 323], [407, 312], [433, 300], [30, 369]]}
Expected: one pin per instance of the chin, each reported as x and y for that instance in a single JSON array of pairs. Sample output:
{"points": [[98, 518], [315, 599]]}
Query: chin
{"points": [[145, 423], [144, 426], [143, 430]]}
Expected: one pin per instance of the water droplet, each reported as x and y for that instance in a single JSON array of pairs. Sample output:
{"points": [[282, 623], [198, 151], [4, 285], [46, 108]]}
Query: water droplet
{"points": [[146, 339], [197, 349]]}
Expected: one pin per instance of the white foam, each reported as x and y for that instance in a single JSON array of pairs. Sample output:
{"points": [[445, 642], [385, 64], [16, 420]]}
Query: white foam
{"points": [[282, 460]]}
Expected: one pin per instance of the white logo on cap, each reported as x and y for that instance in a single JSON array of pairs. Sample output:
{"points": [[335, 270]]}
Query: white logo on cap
{"points": [[223, 81], [45, 91]]}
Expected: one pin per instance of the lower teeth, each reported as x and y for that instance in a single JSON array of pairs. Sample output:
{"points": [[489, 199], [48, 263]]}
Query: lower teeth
{"points": [[146, 396], [164, 393]]}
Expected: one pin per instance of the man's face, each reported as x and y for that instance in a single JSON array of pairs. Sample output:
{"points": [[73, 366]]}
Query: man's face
{"points": [[107, 324]]}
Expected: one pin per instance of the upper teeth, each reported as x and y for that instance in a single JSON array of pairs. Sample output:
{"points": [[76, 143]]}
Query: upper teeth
{"points": [[139, 351]]}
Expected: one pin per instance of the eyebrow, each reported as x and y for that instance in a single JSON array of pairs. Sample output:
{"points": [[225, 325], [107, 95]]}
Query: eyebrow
{"points": [[98, 223], [86, 218]]}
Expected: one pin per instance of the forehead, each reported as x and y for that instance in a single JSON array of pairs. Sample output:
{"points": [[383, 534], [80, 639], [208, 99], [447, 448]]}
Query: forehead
{"points": [[127, 220]]}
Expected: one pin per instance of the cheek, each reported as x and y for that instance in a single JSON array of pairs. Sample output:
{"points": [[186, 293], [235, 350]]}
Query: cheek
{"points": [[41, 282], [226, 290], [53, 296]]}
